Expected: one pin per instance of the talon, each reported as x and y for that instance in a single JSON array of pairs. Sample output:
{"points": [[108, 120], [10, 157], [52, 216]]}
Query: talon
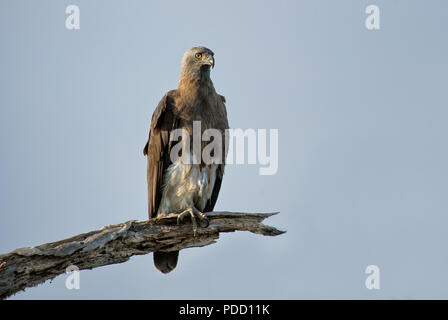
{"points": [[179, 218], [193, 212], [202, 217]]}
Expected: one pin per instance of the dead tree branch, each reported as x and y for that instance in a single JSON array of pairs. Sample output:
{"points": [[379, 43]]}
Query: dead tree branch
{"points": [[30, 266]]}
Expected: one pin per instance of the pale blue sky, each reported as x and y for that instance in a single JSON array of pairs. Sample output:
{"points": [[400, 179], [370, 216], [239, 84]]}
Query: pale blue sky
{"points": [[361, 115]]}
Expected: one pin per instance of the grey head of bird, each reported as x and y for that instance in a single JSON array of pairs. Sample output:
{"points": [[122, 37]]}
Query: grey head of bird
{"points": [[197, 61]]}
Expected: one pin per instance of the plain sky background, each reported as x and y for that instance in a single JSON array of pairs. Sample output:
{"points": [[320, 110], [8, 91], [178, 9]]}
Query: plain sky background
{"points": [[362, 118]]}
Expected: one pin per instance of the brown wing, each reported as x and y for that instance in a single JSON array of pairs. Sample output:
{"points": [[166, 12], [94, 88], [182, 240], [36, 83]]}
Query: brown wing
{"points": [[157, 149], [210, 205], [216, 188]]}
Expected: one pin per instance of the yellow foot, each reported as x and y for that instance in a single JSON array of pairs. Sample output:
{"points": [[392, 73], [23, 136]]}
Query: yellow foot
{"points": [[193, 213]]}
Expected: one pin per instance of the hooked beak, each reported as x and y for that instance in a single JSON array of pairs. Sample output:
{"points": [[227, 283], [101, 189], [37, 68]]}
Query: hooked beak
{"points": [[211, 62]]}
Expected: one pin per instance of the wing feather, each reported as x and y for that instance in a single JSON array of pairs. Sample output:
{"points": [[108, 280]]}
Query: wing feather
{"points": [[210, 205], [157, 150]]}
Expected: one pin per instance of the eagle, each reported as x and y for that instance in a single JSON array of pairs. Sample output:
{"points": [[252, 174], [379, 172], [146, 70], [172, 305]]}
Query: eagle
{"points": [[188, 188]]}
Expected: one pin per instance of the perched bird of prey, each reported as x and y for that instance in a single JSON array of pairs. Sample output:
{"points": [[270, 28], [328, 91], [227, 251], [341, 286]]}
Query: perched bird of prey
{"points": [[189, 189]]}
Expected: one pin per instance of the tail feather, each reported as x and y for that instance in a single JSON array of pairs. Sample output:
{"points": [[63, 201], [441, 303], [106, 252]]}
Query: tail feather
{"points": [[166, 261]]}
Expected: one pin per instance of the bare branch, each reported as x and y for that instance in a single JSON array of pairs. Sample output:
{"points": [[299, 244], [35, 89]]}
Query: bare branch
{"points": [[30, 266]]}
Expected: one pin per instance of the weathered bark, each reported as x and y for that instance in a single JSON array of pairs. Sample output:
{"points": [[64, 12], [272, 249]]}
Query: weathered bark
{"points": [[27, 267]]}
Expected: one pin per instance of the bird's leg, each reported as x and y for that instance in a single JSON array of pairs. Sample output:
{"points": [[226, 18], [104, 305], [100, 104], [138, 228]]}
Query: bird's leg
{"points": [[202, 216], [193, 213]]}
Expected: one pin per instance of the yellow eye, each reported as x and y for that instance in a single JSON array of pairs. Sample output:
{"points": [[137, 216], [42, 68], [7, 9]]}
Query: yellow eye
{"points": [[198, 55]]}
